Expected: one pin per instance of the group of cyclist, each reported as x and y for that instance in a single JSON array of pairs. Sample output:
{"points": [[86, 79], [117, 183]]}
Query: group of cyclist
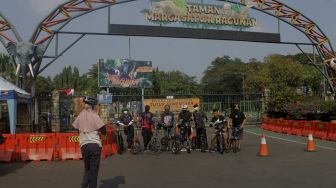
{"points": [[185, 124]]}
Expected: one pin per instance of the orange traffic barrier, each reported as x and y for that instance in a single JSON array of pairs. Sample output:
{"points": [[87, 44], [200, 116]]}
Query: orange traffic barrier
{"points": [[321, 130], [296, 129], [266, 123], [287, 126], [36, 147], [308, 128], [310, 143], [331, 131], [263, 151], [106, 146], [8, 148], [68, 146]]}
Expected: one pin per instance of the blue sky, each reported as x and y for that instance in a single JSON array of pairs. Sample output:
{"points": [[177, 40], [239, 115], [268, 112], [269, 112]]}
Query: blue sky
{"points": [[191, 56]]}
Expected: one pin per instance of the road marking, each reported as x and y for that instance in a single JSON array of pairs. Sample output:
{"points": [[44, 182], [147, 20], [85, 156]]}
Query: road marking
{"points": [[283, 139]]}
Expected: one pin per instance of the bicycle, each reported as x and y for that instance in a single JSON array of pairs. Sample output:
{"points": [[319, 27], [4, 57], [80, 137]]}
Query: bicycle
{"points": [[136, 147], [154, 145], [182, 138], [233, 144], [220, 130], [176, 142], [204, 142], [119, 138], [166, 141]]}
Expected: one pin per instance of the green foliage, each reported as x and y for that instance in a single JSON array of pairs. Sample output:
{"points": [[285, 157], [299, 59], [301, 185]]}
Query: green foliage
{"points": [[44, 85], [6, 68], [70, 78], [329, 107], [224, 75], [175, 82], [257, 77]]}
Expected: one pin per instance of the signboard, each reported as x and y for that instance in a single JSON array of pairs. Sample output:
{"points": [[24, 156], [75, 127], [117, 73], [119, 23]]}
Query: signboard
{"points": [[104, 98], [205, 15], [125, 73], [157, 105]]}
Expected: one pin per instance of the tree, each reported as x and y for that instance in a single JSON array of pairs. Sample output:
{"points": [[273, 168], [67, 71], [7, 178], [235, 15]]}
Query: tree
{"points": [[224, 75], [44, 85], [285, 78], [6, 68], [257, 77], [174, 82]]}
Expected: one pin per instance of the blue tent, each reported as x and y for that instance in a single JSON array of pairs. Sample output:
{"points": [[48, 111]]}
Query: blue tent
{"points": [[13, 95]]}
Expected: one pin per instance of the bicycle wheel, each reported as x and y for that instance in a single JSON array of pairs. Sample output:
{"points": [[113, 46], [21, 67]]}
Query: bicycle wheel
{"points": [[188, 146], [221, 144], [154, 146], [135, 148], [235, 147], [120, 144], [164, 143], [176, 146], [204, 146]]}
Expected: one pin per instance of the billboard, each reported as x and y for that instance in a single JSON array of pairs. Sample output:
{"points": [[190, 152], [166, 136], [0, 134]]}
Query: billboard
{"points": [[125, 73], [157, 105]]}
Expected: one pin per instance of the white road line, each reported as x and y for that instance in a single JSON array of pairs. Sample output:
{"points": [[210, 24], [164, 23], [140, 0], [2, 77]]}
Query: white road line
{"points": [[283, 139]]}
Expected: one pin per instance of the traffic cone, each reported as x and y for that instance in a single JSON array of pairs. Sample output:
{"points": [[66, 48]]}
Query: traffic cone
{"points": [[310, 143], [263, 152]]}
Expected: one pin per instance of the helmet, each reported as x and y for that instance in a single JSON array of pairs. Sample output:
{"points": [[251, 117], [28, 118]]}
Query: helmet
{"points": [[125, 111], [184, 107], [90, 100], [167, 107]]}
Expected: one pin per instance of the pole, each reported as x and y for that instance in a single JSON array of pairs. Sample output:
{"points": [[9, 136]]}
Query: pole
{"points": [[109, 105], [129, 48], [108, 18], [278, 25], [143, 99]]}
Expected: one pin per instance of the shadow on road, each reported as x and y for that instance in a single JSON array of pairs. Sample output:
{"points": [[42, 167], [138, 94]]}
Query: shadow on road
{"points": [[112, 183], [7, 168]]}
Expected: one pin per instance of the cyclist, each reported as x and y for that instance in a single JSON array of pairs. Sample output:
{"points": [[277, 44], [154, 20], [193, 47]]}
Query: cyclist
{"points": [[237, 120], [126, 119], [199, 120], [217, 121], [184, 119], [147, 124], [167, 120], [89, 123]]}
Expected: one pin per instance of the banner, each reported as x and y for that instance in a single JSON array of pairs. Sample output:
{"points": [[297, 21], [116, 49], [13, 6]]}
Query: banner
{"points": [[125, 73], [157, 105]]}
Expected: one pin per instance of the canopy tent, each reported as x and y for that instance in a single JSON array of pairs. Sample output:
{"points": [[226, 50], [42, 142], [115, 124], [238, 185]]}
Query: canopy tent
{"points": [[12, 94]]}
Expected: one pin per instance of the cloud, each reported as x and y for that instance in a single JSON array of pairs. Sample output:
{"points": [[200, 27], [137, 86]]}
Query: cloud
{"points": [[43, 7]]}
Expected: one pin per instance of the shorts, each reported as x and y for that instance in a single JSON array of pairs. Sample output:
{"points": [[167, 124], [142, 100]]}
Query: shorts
{"points": [[239, 135]]}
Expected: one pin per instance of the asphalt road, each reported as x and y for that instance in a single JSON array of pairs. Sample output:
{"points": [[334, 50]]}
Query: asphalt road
{"points": [[287, 166]]}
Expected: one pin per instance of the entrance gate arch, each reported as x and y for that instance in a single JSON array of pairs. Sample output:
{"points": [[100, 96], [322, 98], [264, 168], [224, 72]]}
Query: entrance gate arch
{"points": [[68, 11], [27, 56]]}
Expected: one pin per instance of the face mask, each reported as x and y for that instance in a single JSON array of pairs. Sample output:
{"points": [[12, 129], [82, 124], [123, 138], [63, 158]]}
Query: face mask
{"points": [[196, 109], [125, 112]]}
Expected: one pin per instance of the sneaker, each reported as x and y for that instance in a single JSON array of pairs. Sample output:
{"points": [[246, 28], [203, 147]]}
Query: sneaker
{"points": [[239, 149], [212, 151], [183, 149], [146, 151]]}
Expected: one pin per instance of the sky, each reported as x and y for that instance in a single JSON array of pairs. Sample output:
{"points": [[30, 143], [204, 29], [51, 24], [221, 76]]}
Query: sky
{"points": [[191, 56]]}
